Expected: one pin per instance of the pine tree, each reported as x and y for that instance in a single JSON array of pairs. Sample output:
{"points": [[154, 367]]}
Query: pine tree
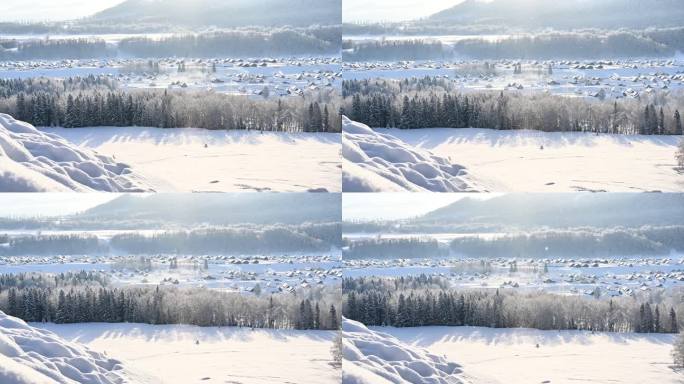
{"points": [[677, 123], [674, 326]]}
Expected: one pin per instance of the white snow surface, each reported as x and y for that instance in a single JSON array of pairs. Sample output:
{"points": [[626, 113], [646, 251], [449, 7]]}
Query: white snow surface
{"points": [[372, 357], [201, 160], [33, 161], [535, 161], [375, 162], [30, 355], [524, 356], [184, 354]]}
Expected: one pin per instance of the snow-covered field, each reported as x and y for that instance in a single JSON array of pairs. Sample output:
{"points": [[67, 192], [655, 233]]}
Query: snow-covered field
{"points": [[533, 161], [373, 357], [376, 162], [608, 277], [590, 78], [199, 160], [33, 161], [524, 356], [248, 77], [240, 274], [30, 355], [177, 354]]}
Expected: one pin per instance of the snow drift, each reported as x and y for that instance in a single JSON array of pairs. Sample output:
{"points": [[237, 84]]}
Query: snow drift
{"points": [[32, 356], [378, 358], [33, 161], [375, 162]]}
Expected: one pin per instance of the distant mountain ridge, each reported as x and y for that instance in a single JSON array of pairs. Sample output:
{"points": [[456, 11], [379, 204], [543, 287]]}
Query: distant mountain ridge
{"points": [[222, 208], [565, 210], [226, 13], [566, 14]]}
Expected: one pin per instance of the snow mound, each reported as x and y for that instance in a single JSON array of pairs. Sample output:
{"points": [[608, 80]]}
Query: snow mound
{"points": [[377, 358], [376, 162], [33, 161], [32, 356]]}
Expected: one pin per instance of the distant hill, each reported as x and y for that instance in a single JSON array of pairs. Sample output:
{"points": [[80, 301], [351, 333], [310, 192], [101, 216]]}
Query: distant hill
{"points": [[566, 14], [565, 210], [221, 209], [225, 13]]}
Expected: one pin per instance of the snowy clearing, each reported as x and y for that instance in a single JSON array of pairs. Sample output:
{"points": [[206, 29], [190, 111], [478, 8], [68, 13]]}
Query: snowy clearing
{"points": [[199, 160], [33, 161], [31, 355], [187, 354], [511, 356], [372, 357], [376, 162], [534, 161]]}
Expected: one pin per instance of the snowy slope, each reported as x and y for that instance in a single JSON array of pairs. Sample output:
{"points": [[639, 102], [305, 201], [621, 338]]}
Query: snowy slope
{"points": [[534, 161], [32, 356], [524, 356], [201, 160], [183, 354], [377, 358], [374, 162], [32, 161]]}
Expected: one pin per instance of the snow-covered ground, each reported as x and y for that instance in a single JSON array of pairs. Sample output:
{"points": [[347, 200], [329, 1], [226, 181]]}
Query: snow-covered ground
{"points": [[240, 274], [589, 78], [247, 77], [187, 354], [199, 160], [533, 161], [524, 356], [31, 355], [608, 277], [376, 162], [33, 161], [373, 357]]}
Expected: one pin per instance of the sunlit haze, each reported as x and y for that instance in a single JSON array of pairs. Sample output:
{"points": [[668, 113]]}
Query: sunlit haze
{"points": [[395, 206], [51, 10], [391, 10], [49, 204]]}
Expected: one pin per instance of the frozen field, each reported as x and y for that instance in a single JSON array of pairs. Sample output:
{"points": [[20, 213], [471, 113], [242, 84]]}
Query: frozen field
{"points": [[533, 161], [524, 356], [612, 277], [198, 160], [598, 78], [186, 354], [240, 274], [249, 77]]}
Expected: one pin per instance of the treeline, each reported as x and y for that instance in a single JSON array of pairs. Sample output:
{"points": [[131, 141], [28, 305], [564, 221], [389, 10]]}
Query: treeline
{"points": [[573, 243], [394, 249], [249, 241], [94, 101], [319, 40], [426, 301], [76, 244], [236, 44], [433, 103], [587, 44], [566, 45], [219, 241], [48, 49], [79, 302], [415, 49]]}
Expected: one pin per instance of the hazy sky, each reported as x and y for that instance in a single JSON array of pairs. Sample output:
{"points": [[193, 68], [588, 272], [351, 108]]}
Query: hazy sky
{"points": [[393, 206], [44, 10], [391, 10], [49, 204]]}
